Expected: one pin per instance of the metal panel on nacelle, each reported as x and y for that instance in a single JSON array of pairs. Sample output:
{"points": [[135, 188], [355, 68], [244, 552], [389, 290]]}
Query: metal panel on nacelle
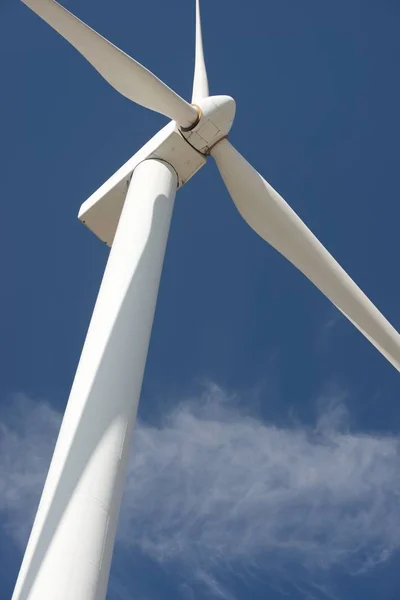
{"points": [[101, 212]]}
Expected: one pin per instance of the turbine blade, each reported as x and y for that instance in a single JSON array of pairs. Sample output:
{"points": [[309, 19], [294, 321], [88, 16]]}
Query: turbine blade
{"points": [[273, 219], [128, 77], [200, 82]]}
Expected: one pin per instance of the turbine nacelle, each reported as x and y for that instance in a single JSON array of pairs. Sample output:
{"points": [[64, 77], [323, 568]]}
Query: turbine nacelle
{"points": [[216, 114]]}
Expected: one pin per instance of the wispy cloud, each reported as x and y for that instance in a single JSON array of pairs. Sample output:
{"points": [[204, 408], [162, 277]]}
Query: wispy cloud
{"points": [[328, 329], [213, 487], [28, 431]]}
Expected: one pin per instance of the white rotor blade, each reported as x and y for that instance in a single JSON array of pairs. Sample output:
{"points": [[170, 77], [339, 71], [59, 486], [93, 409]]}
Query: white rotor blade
{"points": [[273, 219], [200, 82], [121, 71]]}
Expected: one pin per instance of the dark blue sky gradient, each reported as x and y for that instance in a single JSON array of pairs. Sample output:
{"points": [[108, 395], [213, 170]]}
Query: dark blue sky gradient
{"points": [[318, 95]]}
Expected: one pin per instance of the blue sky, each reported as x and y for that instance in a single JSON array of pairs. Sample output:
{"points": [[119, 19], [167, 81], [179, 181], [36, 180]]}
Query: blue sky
{"points": [[265, 461]]}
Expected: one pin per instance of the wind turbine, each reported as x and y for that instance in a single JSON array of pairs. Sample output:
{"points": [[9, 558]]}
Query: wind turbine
{"points": [[69, 552]]}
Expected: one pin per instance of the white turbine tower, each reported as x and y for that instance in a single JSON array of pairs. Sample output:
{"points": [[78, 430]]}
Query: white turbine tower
{"points": [[70, 548]]}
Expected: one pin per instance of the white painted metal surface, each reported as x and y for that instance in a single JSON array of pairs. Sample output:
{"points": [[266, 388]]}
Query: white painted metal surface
{"points": [[185, 151], [101, 212], [218, 114], [126, 75], [69, 552], [200, 80], [273, 219]]}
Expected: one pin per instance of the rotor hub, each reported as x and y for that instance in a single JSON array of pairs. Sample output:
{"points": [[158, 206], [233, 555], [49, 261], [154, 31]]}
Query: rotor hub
{"points": [[216, 115]]}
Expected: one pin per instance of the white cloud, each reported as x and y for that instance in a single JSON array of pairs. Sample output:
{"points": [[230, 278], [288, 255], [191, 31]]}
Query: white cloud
{"points": [[28, 432], [212, 487]]}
